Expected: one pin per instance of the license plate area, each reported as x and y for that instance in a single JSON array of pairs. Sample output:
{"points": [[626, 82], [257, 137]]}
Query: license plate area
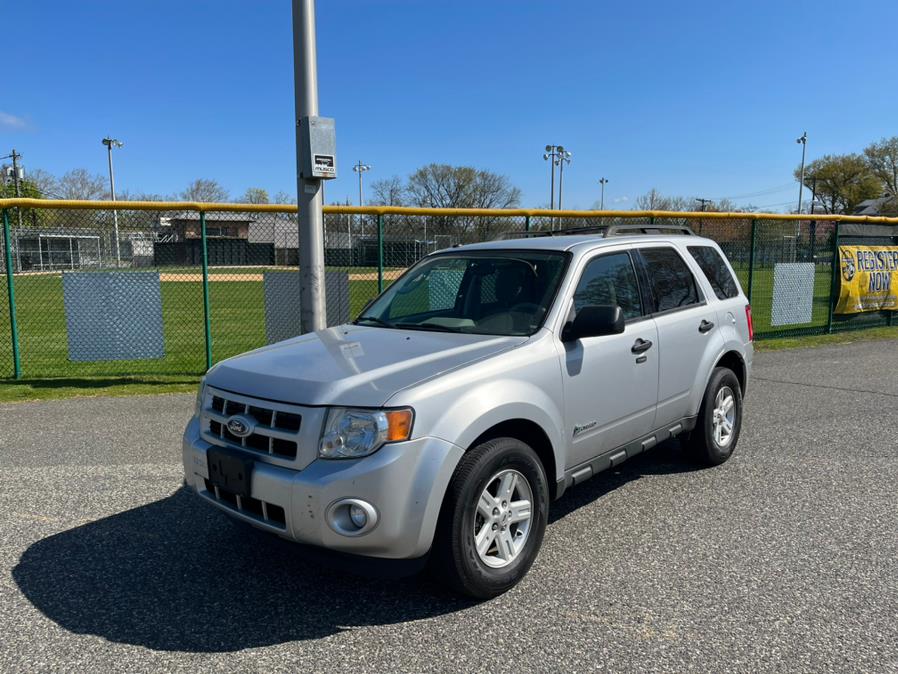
{"points": [[230, 470]]}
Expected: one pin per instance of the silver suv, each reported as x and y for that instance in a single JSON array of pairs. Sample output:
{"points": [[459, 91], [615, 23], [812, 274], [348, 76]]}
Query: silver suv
{"points": [[477, 388]]}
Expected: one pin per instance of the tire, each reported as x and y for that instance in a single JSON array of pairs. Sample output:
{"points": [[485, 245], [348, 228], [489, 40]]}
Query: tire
{"points": [[707, 443], [455, 559]]}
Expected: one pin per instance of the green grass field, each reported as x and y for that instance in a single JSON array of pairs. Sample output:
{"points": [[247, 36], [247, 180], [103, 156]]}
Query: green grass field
{"points": [[237, 324], [237, 310]]}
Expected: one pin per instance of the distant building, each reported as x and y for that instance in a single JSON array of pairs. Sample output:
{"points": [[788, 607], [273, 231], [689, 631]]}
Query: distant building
{"points": [[887, 205], [186, 225]]}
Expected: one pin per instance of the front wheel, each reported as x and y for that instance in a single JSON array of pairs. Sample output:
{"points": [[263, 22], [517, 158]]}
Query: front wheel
{"points": [[720, 420], [493, 518]]}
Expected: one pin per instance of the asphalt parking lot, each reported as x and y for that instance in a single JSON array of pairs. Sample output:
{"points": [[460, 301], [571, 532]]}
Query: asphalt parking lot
{"points": [[783, 559]]}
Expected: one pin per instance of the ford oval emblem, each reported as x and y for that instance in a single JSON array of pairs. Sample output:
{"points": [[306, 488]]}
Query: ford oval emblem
{"points": [[239, 426]]}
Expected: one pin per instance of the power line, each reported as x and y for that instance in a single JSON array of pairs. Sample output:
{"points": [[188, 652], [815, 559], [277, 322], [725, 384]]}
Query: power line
{"points": [[759, 193]]}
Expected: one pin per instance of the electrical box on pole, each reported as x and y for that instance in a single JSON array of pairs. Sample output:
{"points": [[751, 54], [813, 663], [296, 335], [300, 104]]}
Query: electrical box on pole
{"points": [[318, 147]]}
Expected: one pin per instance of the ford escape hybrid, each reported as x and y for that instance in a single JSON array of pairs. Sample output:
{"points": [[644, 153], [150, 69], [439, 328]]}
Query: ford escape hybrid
{"points": [[476, 389]]}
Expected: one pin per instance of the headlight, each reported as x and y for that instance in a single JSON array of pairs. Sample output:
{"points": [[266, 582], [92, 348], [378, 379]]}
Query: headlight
{"points": [[198, 405], [353, 433]]}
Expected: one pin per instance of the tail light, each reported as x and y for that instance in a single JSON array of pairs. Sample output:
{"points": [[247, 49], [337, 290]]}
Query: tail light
{"points": [[751, 327]]}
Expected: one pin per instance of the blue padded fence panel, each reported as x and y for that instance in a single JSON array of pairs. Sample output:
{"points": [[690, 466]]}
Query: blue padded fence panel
{"points": [[113, 315]]}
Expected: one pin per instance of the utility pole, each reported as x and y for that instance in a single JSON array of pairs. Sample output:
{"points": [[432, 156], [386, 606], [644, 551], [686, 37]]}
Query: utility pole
{"points": [[701, 223], [602, 181], [312, 314], [359, 168], [109, 142], [15, 156]]}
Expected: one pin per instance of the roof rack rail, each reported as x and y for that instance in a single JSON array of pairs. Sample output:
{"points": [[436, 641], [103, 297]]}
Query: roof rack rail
{"points": [[606, 230]]}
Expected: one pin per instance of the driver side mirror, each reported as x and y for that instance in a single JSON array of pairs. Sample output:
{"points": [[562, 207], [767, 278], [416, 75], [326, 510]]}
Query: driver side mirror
{"points": [[594, 321]]}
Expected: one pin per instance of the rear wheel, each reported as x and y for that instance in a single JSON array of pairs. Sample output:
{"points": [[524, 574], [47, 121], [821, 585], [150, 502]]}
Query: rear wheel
{"points": [[720, 419], [493, 519]]}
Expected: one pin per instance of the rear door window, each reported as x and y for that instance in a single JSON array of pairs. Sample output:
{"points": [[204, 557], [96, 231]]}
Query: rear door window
{"points": [[609, 280], [670, 279], [715, 269]]}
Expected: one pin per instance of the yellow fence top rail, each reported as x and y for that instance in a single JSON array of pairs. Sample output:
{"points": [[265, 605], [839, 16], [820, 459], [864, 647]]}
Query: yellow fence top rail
{"points": [[405, 210]]}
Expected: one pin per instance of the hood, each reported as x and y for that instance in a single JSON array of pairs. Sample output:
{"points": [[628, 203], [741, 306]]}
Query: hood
{"points": [[351, 365]]}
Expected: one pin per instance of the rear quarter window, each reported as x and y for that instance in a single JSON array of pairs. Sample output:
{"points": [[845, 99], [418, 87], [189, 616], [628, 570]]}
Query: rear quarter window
{"points": [[715, 270]]}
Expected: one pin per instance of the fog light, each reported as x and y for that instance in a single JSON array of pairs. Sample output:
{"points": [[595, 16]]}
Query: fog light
{"points": [[358, 516], [351, 516]]}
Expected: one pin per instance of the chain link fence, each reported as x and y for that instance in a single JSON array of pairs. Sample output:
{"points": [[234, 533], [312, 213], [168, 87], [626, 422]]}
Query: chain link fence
{"points": [[169, 289]]}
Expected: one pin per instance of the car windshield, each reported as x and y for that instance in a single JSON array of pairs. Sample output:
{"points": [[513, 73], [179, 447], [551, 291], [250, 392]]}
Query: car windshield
{"points": [[495, 293]]}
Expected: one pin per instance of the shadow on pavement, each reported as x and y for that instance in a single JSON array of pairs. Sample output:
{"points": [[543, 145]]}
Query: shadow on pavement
{"points": [[176, 575]]}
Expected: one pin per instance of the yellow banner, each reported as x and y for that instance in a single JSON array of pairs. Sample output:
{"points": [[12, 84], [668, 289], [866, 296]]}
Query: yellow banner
{"points": [[869, 279]]}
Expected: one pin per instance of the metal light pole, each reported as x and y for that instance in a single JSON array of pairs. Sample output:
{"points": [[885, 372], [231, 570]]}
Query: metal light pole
{"points": [[602, 181], [110, 143], [550, 154], [803, 141], [359, 168], [563, 157], [308, 189]]}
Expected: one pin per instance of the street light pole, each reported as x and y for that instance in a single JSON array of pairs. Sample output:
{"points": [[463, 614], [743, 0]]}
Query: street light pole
{"points": [[602, 181], [803, 140], [109, 142], [308, 189], [550, 154], [359, 168], [564, 157]]}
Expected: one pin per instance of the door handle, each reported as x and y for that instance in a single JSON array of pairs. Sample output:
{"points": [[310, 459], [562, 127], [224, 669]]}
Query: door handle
{"points": [[705, 326], [641, 346]]}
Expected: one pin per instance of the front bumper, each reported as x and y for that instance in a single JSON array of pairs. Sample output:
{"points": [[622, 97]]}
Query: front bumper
{"points": [[405, 482]]}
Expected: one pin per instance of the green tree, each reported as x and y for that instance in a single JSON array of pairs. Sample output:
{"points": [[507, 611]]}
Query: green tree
{"points": [[882, 158], [842, 181]]}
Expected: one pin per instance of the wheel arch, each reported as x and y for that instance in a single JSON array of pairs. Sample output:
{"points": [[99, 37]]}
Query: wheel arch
{"points": [[533, 435], [733, 361]]}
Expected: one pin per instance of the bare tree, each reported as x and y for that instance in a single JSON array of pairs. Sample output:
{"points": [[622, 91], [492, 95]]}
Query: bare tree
{"points": [[255, 195], [81, 184], [388, 192], [203, 189], [45, 182], [653, 200], [444, 186], [284, 198]]}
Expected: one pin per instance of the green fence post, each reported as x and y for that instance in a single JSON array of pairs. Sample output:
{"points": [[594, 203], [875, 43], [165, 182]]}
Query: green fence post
{"points": [[11, 291], [834, 281], [527, 223], [751, 258], [380, 253], [207, 326]]}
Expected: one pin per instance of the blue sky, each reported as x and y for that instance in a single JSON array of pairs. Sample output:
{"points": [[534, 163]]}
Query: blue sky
{"points": [[693, 98]]}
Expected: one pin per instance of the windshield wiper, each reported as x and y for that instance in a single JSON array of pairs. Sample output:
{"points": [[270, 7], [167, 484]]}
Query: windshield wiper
{"points": [[375, 320], [426, 326]]}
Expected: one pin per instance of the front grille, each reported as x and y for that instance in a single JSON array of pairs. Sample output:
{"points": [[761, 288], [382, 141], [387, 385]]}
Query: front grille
{"points": [[263, 511], [275, 429]]}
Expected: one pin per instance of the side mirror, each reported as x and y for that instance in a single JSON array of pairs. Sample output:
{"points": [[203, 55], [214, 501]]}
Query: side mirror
{"points": [[594, 321]]}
